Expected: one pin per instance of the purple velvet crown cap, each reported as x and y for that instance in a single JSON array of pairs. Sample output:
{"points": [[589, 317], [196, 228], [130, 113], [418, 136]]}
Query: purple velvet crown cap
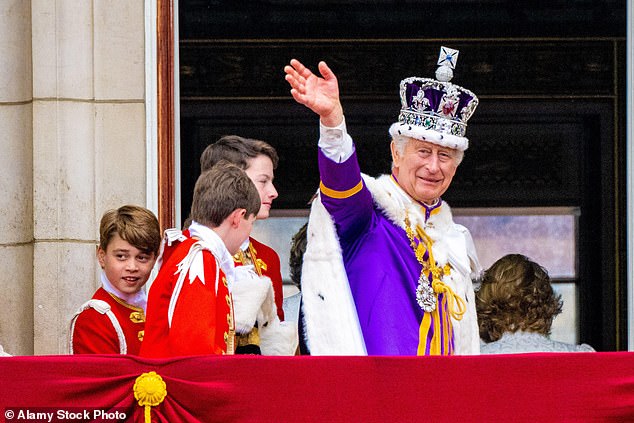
{"points": [[435, 110]]}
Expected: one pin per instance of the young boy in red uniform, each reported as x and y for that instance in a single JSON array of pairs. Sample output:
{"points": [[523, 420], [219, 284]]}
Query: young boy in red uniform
{"points": [[112, 322], [190, 309], [257, 291]]}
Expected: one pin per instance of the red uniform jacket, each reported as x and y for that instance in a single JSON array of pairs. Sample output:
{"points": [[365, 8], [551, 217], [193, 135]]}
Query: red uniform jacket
{"points": [[202, 319], [267, 263], [94, 332]]}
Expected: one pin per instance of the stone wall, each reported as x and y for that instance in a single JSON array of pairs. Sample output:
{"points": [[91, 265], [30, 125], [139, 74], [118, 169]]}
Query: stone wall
{"points": [[72, 119]]}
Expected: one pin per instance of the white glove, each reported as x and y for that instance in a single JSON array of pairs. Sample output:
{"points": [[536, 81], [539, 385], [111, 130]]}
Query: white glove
{"points": [[249, 290]]}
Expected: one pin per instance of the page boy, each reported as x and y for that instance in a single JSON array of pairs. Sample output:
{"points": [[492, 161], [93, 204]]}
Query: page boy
{"points": [[257, 290], [190, 308], [112, 322]]}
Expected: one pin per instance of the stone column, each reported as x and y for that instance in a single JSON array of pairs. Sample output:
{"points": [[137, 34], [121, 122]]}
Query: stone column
{"points": [[88, 146], [63, 167], [16, 186]]}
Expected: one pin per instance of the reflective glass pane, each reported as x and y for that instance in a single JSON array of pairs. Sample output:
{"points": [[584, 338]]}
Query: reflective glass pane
{"points": [[510, 231], [564, 327], [549, 240]]}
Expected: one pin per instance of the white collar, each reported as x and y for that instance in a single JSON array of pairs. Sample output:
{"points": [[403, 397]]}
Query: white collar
{"points": [[138, 299], [215, 244], [245, 244], [395, 203]]}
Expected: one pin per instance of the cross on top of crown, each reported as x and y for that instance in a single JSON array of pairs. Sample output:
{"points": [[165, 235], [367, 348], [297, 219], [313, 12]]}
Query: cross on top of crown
{"points": [[448, 57]]}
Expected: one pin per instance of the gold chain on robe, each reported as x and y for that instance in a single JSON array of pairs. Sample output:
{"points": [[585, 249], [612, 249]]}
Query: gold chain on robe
{"points": [[436, 335]]}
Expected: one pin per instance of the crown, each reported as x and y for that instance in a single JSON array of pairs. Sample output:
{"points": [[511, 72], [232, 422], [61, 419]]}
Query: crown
{"points": [[436, 110]]}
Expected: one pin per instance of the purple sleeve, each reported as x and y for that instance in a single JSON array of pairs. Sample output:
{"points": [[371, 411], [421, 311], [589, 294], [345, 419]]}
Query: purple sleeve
{"points": [[345, 196]]}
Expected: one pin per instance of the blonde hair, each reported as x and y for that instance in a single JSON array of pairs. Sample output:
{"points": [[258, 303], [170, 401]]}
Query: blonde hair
{"points": [[515, 294], [134, 224], [221, 190]]}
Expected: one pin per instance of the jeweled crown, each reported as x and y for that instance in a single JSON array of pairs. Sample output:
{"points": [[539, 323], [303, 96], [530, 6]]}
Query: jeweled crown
{"points": [[437, 104]]}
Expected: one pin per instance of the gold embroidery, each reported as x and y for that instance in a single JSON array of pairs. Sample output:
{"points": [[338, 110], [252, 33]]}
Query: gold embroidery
{"points": [[258, 264], [241, 258], [231, 348], [250, 256], [228, 299], [140, 335], [251, 338], [123, 303], [261, 264], [224, 281], [137, 316]]}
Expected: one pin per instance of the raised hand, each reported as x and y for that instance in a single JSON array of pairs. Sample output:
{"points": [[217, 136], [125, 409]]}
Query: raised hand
{"points": [[319, 94]]}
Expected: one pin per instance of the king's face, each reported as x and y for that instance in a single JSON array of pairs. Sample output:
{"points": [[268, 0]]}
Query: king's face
{"points": [[424, 170]]}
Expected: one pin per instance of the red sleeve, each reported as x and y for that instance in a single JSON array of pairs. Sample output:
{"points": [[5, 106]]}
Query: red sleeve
{"points": [[94, 334], [194, 328], [276, 279]]}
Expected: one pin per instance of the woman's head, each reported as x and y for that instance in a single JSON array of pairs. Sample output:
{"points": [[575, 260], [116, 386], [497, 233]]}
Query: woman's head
{"points": [[515, 294]]}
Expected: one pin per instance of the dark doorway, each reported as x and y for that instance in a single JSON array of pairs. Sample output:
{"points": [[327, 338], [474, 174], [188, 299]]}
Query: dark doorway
{"points": [[549, 130]]}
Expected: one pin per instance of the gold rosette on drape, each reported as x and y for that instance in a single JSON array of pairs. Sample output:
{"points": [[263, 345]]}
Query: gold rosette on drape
{"points": [[149, 390]]}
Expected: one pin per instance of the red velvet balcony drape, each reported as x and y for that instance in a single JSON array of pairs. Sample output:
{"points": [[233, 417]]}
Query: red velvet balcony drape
{"points": [[575, 387]]}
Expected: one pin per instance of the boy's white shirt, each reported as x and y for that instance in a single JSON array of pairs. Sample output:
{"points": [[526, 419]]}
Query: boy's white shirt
{"points": [[138, 299]]}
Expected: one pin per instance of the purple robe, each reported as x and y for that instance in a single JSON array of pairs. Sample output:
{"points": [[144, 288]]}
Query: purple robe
{"points": [[380, 263]]}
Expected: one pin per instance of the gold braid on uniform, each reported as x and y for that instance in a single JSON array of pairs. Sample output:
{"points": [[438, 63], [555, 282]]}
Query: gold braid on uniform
{"points": [[246, 258]]}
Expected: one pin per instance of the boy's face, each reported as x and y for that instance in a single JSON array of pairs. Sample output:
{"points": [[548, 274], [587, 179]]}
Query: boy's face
{"points": [[241, 233], [126, 267], [260, 171]]}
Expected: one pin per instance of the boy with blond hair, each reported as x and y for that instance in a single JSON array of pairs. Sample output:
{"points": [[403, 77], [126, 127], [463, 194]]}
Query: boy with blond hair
{"points": [[190, 308], [112, 322]]}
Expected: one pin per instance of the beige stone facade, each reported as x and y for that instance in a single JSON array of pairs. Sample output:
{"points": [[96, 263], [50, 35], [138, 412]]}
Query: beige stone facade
{"points": [[72, 122]]}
